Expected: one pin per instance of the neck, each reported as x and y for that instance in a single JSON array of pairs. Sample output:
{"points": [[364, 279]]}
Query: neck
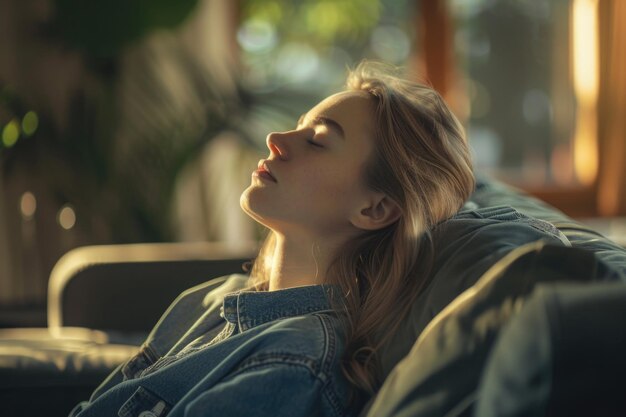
{"points": [[299, 262]]}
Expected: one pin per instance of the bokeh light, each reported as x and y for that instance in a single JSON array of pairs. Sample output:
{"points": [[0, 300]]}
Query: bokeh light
{"points": [[486, 146], [390, 43], [30, 123], [66, 217], [28, 205], [293, 43], [257, 36], [10, 133], [297, 62]]}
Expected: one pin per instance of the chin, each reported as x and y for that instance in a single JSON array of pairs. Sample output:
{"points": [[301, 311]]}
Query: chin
{"points": [[244, 203], [247, 206]]}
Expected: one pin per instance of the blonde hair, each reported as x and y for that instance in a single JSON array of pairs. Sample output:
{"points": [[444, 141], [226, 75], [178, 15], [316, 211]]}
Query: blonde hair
{"points": [[421, 161]]}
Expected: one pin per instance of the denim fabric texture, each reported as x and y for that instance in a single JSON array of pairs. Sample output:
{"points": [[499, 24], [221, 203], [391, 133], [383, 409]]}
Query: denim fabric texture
{"points": [[221, 353]]}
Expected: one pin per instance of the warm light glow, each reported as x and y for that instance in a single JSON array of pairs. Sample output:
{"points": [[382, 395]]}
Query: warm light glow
{"points": [[586, 146], [585, 41], [66, 217], [584, 38], [28, 205]]}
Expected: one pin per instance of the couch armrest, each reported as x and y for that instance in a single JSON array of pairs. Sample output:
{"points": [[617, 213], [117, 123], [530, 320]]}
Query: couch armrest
{"points": [[126, 288]]}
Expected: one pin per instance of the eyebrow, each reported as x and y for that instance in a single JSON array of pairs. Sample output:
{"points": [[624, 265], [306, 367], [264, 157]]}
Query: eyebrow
{"points": [[322, 120]]}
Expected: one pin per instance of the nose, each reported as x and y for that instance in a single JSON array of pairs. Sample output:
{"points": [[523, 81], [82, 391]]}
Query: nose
{"points": [[277, 145]]}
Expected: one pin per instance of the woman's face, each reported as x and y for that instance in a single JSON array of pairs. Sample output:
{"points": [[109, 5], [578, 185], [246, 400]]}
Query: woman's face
{"points": [[316, 170]]}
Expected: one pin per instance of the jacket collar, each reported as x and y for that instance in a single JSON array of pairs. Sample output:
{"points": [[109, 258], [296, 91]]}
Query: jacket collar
{"points": [[248, 309]]}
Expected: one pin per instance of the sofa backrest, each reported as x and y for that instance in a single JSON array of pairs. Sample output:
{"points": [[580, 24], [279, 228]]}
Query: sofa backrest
{"points": [[126, 288]]}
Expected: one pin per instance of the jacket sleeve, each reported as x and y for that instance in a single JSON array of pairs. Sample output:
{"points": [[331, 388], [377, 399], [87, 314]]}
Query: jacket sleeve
{"points": [[275, 389]]}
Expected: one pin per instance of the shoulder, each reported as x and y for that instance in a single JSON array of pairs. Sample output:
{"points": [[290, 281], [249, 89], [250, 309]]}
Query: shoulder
{"points": [[312, 346], [312, 341], [317, 337], [297, 358], [497, 219], [470, 242]]}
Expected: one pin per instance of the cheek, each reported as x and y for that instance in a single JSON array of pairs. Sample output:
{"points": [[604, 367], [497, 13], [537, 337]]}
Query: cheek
{"points": [[337, 183]]}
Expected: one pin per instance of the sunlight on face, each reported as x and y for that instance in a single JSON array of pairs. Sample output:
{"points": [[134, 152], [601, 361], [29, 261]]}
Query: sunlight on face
{"points": [[312, 179]]}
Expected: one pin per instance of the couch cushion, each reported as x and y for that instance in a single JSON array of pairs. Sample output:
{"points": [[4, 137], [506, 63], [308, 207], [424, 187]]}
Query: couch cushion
{"points": [[563, 355], [47, 374], [38, 357], [442, 371], [465, 247]]}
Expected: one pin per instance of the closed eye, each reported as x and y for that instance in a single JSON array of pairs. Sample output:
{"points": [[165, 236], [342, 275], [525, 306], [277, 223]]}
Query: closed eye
{"points": [[324, 121], [313, 143]]}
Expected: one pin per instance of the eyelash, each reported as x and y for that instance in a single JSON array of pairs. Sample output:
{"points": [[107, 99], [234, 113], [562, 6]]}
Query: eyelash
{"points": [[313, 143]]}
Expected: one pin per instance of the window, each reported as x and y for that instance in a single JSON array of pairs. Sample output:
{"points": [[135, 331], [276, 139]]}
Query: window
{"points": [[530, 74]]}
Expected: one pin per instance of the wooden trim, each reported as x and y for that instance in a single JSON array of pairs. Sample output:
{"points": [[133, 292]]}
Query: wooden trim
{"points": [[437, 44], [611, 199]]}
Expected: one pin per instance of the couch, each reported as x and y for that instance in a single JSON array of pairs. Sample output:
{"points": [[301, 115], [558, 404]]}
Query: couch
{"points": [[102, 302], [508, 324]]}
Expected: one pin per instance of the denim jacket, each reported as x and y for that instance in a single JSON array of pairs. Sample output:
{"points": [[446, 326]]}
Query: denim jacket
{"points": [[216, 352]]}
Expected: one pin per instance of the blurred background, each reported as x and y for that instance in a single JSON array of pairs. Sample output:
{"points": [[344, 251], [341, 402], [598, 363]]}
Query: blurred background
{"points": [[140, 120]]}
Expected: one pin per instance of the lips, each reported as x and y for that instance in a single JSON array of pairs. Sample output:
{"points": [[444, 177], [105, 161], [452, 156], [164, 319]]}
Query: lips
{"points": [[263, 171]]}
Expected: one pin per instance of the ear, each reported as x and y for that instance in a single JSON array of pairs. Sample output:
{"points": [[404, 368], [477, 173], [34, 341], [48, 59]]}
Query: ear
{"points": [[377, 213]]}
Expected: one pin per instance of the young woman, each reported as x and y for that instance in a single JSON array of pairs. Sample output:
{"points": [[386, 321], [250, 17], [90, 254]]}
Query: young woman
{"points": [[348, 196]]}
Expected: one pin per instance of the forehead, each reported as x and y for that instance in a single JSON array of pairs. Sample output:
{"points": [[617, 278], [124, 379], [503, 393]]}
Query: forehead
{"points": [[350, 103], [353, 110]]}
